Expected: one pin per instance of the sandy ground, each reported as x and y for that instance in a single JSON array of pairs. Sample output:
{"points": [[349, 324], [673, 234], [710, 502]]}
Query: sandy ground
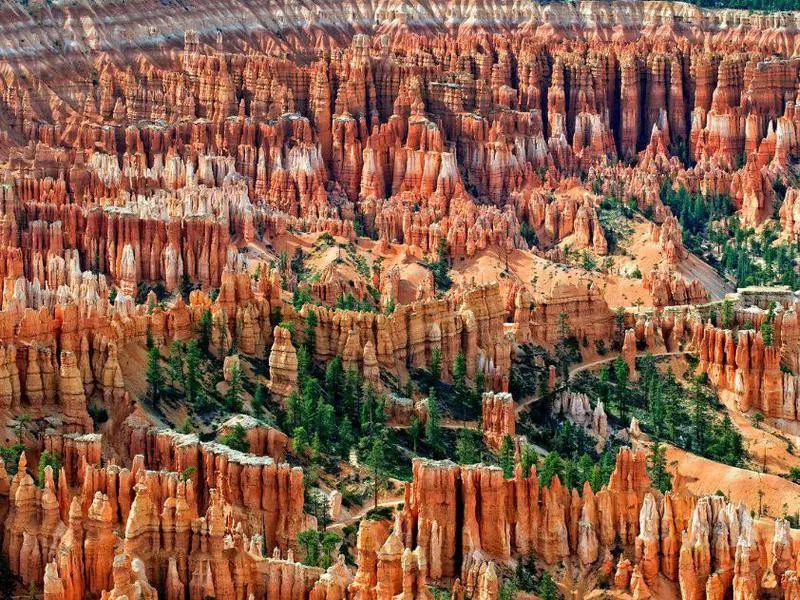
{"points": [[767, 445], [702, 476], [617, 285], [133, 361]]}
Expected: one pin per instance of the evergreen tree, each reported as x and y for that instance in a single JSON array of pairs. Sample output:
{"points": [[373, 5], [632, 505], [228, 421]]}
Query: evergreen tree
{"points": [[310, 332], [303, 365], [377, 459], [585, 465], [346, 437], [547, 588], [570, 479], [48, 459], [317, 547], [155, 380], [596, 479], [436, 365], [236, 438], [657, 467], [259, 401], [222, 334], [727, 313], [551, 466], [700, 419], [563, 352], [326, 422], [300, 441], [191, 384], [767, 333], [507, 457], [175, 371], [461, 391], [293, 410], [204, 327], [415, 431], [621, 386], [309, 542], [467, 449], [149, 343], [372, 410], [603, 378], [727, 445], [671, 393], [309, 404], [334, 382], [351, 394], [328, 543], [433, 430], [233, 395], [318, 506], [527, 459]]}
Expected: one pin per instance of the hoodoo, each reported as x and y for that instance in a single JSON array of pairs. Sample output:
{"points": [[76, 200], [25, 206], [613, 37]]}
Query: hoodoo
{"points": [[409, 300]]}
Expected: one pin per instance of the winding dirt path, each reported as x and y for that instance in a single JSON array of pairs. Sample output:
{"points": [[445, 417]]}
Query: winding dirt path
{"points": [[363, 512], [590, 365]]}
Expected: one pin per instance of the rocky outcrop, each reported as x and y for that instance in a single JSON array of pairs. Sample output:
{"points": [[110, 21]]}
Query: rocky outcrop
{"points": [[468, 322], [745, 365], [498, 418], [264, 496], [577, 408], [445, 501], [282, 364], [263, 440], [147, 169], [670, 289]]}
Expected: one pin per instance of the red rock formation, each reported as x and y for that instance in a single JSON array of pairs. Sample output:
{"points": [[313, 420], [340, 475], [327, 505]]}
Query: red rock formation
{"points": [[746, 367], [263, 439], [432, 127], [431, 518], [498, 418], [670, 289], [282, 364], [629, 352]]}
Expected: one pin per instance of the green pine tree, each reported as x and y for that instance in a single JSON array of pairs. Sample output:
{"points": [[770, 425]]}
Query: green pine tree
{"points": [[191, 383], [657, 467], [467, 449], [461, 391], [233, 395], [236, 438], [377, 459], [204, 326], [155, 380], [310, 332], [551, 466], [433, 429], [507, 457]]}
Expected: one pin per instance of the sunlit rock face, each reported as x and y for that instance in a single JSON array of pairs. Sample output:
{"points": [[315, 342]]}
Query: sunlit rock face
{"points": [[167, 170]]}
